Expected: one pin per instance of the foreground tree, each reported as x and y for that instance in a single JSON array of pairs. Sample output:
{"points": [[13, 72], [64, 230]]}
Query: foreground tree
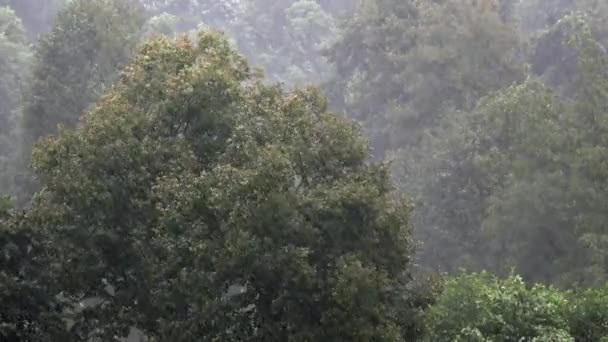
{"points": [[195, 202], [30, 311]]}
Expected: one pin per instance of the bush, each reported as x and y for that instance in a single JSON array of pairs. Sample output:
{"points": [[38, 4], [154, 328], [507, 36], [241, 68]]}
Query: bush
{"points": [[588, 315], [481, 307]]}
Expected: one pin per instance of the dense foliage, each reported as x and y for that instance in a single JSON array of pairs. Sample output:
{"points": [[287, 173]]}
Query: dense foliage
{"points": [[285, 38], [196, 201], [480, 307], [495, 127], [170, 183]]}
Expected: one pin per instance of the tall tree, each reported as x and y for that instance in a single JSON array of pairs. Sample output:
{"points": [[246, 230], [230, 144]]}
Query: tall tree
{"points": [[196, 202], [15, 58], [555, 200], [75, 63], [190, 14], [402, 65], [410, 71], [37, 16], [284, 38], [519, 180]]}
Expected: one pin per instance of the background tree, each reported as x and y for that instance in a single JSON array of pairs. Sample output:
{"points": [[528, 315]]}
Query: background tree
{"points": [[37, 15], [15, 58], [418, 68], [74, 64], [190, 14], [417, 61], [285, 38], [505, 183], [489, 165], [550, 186]]}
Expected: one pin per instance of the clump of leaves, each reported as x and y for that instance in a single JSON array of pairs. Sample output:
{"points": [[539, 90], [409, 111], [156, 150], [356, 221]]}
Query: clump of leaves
{"points": [[481, 307]]}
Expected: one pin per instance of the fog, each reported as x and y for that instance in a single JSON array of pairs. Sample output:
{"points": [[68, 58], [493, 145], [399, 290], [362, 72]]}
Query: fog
{"points": [[300, 170]]}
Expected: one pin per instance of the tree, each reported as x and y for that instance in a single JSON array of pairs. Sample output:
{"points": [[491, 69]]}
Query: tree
{"points": [[369, 60], [518, 181], [74, 64], [285, 38], [474, 156], [555, 58], [410, 71], [402, 65], [589, 132], [30, 312], [586, 318], [162, 24], [538, 15], [37, 15], [220, 15], [480, 307], [195, 201], [555, 199], [90, 42], [15, 58]]}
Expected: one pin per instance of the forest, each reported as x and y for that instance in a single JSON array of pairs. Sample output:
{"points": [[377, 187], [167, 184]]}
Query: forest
{"points": [[304, 170]]}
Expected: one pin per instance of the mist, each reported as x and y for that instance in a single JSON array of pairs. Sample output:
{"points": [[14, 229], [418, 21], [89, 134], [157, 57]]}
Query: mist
{"points": [[301, 170]]}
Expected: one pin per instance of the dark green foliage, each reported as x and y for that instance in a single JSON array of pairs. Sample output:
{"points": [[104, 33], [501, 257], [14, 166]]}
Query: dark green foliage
{"points": [[187, 199], [587, 315], [217, 207], [28, 310]]}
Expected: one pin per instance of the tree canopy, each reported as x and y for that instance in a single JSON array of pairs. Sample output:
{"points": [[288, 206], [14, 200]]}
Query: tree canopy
{"points": [[162, 181], [196, 201]]}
